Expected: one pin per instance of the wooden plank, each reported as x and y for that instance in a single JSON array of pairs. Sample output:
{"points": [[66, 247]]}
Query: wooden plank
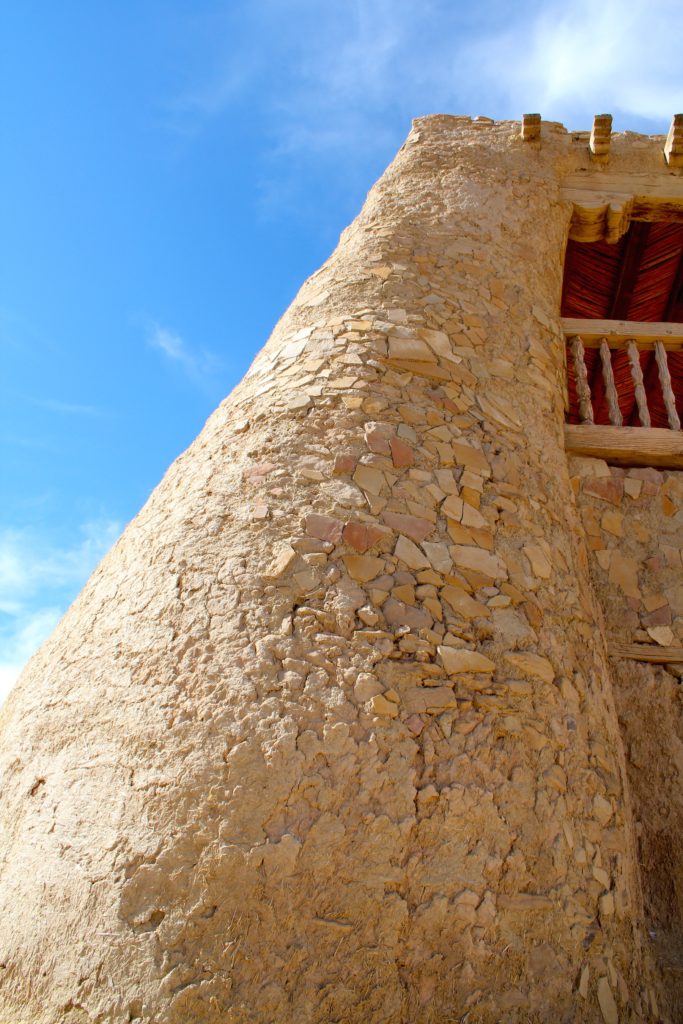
{"points": [[619, 332], [626, 446], [602, 187], [601, 136], [531, 127], [629, 268], [646, 652], [673, 147]]}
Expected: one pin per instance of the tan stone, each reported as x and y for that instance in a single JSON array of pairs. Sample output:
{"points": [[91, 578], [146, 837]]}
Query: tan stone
{"points": [[624, 572], [409, 553], [369, 479], [540, 564], [457, 660], [283, 558], [363, 567], [608, 1007], [533, 665], [488, 565], [462, 604]]}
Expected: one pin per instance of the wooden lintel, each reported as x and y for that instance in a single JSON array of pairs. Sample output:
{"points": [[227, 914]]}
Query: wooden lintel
{"points": [[619, 332], [605, 204], [647, 652], [626, 446]]}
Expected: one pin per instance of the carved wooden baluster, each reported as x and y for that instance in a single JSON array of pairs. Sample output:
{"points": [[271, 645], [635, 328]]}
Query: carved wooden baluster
{"points": [[610, 387], [582, 388], [667, 389], [637, 378]]}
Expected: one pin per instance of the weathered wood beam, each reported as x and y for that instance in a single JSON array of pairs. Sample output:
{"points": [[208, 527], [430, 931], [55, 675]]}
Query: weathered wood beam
{"points": [[646, 652], [619, 332], [605, 204], [626, 446], [629, 268], [673, 147], [676, 293], [531, 127], [601, 136]]}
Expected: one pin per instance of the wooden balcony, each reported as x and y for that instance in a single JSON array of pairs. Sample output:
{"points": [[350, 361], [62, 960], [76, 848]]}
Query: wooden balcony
{"points": [[619, 373]]}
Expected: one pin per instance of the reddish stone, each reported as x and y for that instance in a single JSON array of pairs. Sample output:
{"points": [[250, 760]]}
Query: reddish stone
{"points": [[361, 537], [605, 488], [655, 563], [344, 465], [411, 526], [377, 441], [659, 617], [257, 474], [401, 453], [323, 528], [415, 724]]}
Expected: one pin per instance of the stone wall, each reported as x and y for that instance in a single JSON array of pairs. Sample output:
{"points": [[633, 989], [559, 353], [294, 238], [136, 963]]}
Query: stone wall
{"points": [[329, 735], [634, 529]]}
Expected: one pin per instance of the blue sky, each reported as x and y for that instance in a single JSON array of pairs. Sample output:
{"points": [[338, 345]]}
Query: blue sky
{"points": [[172, 172]]}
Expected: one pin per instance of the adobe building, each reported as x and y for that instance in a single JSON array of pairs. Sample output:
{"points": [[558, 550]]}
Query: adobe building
{"points": [[373, 715]]}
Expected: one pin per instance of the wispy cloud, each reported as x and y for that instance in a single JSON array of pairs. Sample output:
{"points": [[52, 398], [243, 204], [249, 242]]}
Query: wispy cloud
{"points": [[68, 408], [197, 363], [347, 77], [38, 580]]}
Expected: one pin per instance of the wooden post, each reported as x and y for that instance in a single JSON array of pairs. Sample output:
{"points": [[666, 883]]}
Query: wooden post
{"points": [[582, 389], [637, 377], [531, 127], [601, 136], [610, 387], [673, 147], [667, 389]]}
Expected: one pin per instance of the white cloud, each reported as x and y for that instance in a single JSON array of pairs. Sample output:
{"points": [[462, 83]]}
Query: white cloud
{"points": [[38, 580], [69, 408], [346, 77], [198, 364]]}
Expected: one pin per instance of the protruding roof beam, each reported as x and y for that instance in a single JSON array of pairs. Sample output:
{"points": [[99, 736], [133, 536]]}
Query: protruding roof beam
{"points": [[601, 137], [673, 147], [531, 127], [629, 268]]}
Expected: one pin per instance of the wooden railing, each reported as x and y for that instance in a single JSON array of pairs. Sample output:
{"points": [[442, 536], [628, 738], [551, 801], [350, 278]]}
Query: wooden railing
{"points": [[642, 445]]}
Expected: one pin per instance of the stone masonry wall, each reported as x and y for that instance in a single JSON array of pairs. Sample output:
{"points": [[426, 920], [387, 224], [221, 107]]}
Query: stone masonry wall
{"points": [[329, 736], [634, 529]]}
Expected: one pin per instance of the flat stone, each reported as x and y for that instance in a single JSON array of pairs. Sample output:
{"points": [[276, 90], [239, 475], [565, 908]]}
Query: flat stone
{"points": [[412, 526], [540, 564], [369, 479], [284, 557], [363, 567], [624, 572], [438, 555], [410, 348], [323, 527], [663, 635], [479, 560], [457, 660], [462, 604], [472, 458], [361, 536], [533, 665], [402, 454], [608, 1007], [344, 465], [381, 706], [410, 554], [428, 699]]}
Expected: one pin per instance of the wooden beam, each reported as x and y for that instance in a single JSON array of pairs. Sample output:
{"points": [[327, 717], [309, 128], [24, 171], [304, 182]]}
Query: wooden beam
{"points": [[629, 268], [647, 652], [531, 127], [605, 204], [676, 293], [620, 332], [626, 446], [601, 136], [673, 147]]}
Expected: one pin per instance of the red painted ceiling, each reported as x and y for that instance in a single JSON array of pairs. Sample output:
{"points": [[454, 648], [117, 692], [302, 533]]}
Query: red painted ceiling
{"points": [[640, 278]]}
